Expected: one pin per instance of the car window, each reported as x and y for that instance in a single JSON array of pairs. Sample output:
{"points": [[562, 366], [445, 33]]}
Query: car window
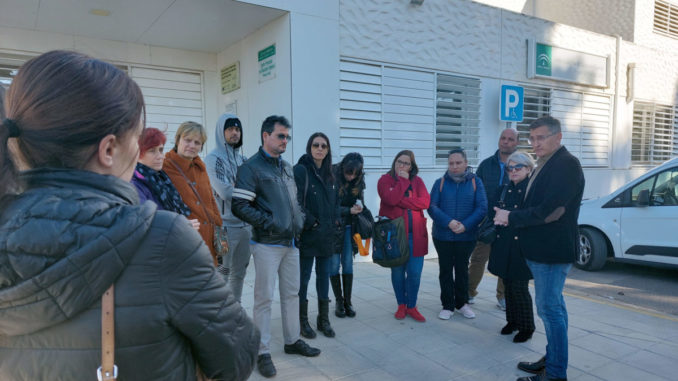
{"points": [[647, 184], [662, 188], [664, 193]]}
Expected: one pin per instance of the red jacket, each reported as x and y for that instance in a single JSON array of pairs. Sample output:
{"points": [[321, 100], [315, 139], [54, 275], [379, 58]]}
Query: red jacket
{"points": [[395, 203]]}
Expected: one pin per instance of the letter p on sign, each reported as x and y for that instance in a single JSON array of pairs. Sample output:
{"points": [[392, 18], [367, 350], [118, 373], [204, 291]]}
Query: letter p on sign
{"points": [[511, 105]]}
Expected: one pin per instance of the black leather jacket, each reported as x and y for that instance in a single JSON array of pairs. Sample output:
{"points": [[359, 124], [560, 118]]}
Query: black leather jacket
{"points": [[265, 196]]}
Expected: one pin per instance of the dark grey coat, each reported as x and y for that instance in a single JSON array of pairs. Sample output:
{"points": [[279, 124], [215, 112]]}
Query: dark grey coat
{"points": [[65, 240]]}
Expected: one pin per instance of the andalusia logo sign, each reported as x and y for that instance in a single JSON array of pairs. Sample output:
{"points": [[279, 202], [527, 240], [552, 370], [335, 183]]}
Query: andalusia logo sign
{"points": [[543, 60]]}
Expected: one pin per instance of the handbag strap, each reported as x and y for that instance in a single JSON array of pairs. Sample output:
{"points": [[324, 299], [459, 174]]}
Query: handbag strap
{"points": [[190, 184], [108, 370]]}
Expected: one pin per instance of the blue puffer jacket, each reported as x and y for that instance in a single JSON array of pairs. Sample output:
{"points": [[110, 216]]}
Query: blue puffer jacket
{"points": [[460, 202]]}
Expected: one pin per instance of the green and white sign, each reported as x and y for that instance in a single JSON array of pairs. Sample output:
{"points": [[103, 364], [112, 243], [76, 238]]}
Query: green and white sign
{"points": [[230, 78], [567, 65], [544, 59], [267, 63]]}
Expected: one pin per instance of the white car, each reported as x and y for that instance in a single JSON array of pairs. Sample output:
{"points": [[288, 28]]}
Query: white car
{"points": [[637, 223]]}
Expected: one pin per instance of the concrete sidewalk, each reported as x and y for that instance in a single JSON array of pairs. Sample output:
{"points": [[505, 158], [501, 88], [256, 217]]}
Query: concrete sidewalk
{"points": [[607, 342]]}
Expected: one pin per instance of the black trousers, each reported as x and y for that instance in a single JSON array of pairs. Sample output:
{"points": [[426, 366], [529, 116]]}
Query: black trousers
{"points": [[453, 275], [519, 304]]}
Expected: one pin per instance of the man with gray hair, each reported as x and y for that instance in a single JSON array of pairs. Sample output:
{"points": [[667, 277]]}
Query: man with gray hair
{"points": [[548, 239], [492, 171]]}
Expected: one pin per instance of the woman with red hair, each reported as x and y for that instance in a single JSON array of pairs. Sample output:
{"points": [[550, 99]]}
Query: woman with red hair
{"points": [[151, 182]]}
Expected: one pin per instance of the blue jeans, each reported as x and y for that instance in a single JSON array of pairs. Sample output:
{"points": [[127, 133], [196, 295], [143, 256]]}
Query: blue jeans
{"points": [[549, 280], [345, 258], [322, 276], [406, 278]]}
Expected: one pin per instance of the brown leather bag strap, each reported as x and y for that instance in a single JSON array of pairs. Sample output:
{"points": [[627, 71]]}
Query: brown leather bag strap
{"points": [[190, 184], [108, 370]]}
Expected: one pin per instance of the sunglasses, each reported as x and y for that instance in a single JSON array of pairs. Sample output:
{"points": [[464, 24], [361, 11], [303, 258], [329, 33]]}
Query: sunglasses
{"points": [[319, 145], [284, 137], [516, 167]]}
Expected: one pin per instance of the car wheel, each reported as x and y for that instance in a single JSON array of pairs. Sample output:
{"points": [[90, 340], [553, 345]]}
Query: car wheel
{"points": [[592, 250]]}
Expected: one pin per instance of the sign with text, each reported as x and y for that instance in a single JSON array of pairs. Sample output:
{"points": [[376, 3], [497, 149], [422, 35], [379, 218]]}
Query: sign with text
{"points": [[267, 65], [511, 104], [230, 78], [561, 64]]}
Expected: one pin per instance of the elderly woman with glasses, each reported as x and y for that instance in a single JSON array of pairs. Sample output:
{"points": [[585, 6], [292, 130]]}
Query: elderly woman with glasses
{"points": [[506, 260]]}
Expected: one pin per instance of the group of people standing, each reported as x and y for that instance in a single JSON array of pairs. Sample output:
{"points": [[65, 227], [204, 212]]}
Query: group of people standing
{"points": [[80, 178]]}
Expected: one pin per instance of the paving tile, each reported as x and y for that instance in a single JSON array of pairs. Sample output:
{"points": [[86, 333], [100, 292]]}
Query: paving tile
{"points": [[618, 371]]}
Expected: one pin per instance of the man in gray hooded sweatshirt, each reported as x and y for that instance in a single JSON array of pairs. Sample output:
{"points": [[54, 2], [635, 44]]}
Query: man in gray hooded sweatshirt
{"points": [[222, 166]]}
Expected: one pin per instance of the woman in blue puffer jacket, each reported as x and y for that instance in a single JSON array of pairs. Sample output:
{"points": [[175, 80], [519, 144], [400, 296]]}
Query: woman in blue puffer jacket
{"points": [[458, 204]]}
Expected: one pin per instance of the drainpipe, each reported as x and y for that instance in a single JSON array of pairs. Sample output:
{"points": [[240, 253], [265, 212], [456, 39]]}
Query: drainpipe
{"points": [[615, 103]]}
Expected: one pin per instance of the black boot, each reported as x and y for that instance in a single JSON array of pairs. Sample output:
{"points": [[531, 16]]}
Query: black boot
{"points": [[335, 281], [348, 288], [323, 321], [306, 330]]}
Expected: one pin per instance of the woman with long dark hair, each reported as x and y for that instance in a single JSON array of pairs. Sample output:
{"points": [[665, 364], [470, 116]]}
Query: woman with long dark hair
{"points": [[403, 194], [73, 231], [350, 187], [317, 194]]}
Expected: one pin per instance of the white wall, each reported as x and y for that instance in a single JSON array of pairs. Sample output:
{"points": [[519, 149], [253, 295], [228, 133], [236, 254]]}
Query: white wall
{"points": [[255, 101]]}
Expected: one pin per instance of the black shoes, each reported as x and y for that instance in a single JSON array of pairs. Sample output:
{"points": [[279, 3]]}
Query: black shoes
{"points": [[335, 281], [508, 329], [323, 321], [522, 336], [265, 365], [533, 367], [348, 290], [306, 330], [301, 348]]}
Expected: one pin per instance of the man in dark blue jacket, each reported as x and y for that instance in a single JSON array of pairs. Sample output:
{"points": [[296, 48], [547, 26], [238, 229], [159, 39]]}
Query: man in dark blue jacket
{"points": [[548, 238], [494, 175]]}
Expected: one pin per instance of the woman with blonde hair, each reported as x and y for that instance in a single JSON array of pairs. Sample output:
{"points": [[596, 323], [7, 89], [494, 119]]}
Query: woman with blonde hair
{"points": [[188, 173]]}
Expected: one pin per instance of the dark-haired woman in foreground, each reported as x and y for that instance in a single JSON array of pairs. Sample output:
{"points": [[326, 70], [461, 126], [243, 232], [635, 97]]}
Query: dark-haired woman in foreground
{"points": [[71, 226]]}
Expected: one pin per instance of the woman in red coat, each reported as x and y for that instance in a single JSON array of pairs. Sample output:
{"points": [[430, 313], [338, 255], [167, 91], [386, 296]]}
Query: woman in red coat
{"points": [[403, 194]]}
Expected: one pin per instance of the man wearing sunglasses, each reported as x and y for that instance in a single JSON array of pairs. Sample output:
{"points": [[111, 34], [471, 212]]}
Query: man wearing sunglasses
{"points": [[265, 196], [492, 171], [548, 239]]}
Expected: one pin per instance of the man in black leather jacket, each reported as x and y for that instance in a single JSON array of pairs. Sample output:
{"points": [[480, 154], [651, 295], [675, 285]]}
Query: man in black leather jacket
{"points": [[265, 196]]}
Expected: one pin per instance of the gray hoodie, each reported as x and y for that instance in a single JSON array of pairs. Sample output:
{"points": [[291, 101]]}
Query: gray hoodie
{"points": [[222, 165]]}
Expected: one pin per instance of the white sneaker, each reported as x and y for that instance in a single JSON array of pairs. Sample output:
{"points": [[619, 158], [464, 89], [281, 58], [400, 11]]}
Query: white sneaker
{"points": [[471, 300], [501, 303], [467, 312], [445, 314]]}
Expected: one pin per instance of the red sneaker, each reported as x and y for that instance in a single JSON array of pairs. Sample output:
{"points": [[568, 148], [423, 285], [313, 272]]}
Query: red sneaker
{"points": [[415, 314], [400, 314]]}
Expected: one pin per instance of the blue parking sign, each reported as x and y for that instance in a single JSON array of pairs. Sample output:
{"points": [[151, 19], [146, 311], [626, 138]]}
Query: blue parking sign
{"points": [[511, 105]]}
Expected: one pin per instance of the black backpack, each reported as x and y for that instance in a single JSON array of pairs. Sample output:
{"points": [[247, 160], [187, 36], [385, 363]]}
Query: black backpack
{"points": [[389, 242]]}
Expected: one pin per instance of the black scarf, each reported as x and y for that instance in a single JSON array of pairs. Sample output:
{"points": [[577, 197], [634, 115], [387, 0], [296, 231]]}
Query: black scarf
{"points": [[162, 188]]}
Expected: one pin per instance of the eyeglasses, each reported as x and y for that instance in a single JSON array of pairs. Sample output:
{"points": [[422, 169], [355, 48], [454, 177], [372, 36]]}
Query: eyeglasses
{"points": [[538, 138], [516, 167], [284, 137], [403, 163], [319, 145]]}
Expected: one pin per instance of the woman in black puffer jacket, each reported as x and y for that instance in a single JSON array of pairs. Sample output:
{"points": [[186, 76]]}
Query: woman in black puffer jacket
{"points": [[71, 226], [317, 194]]}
